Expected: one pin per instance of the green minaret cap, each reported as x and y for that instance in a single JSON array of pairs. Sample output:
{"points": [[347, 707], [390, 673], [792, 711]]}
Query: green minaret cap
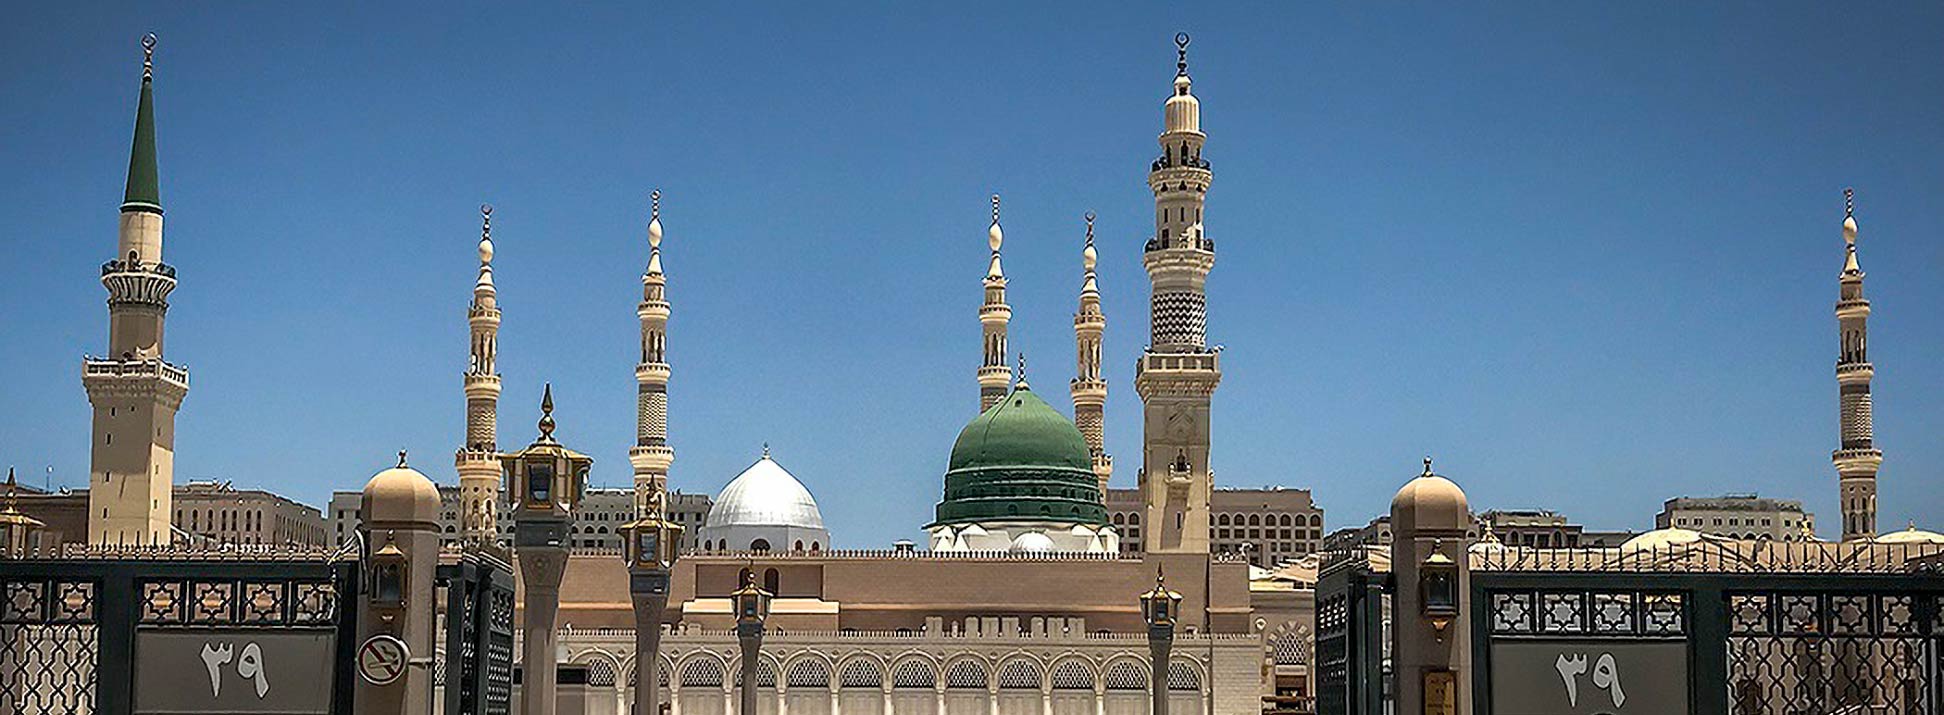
{"points": [[144, 185]]}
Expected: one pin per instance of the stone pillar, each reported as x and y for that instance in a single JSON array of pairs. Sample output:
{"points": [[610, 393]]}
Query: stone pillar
{"points": [[541, 570], [648, 615], [1160, 644], [1431, 620], [751, 640], [399, 520]]}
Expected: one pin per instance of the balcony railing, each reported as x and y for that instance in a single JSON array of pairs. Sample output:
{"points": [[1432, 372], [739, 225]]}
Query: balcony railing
{"points": [[92, 366], [123, 266]]}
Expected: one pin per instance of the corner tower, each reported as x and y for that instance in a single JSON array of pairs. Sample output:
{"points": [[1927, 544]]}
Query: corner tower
{"points": [[134, 391], [478, 460], [1857, 457], [1088, 388], [1177, 374], [651, 455], [994, 376]]}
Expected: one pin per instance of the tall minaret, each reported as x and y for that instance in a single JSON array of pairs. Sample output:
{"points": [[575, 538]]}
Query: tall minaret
{"points": [[134, 391], [651, 454], [1177, 374], [478, 460], [1857, 458], [1089, 390], [995, 378]]}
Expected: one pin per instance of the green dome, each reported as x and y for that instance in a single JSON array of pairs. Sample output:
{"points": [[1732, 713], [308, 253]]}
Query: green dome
{"points": [[1022, 460]]}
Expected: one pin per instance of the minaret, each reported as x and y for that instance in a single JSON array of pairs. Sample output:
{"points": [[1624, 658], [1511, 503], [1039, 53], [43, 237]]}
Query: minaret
{"points": [[1177, 374], [994, 377], [478, 459], [1089, 390], [134, 391], [651, 454], [1857, 458]]}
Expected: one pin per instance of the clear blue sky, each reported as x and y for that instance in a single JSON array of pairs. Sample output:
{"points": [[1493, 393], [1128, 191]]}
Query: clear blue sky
{"points": [[1585, 255]]}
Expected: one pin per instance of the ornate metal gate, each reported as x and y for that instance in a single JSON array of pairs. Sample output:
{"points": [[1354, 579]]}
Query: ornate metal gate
{"points": [[1742, 627], [479, 635], [1352, 646], [79, 635]]}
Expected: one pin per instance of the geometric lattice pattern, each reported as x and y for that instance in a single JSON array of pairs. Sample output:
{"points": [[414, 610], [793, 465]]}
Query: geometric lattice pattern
{"points": [[48, 642], [1179, 318], [966, 674], [862, 673], [1616, 613], [808, 673], [702, 673], [1072, 675], [1182, 676], [914, 673], [1019, 674], [1127, 675]]}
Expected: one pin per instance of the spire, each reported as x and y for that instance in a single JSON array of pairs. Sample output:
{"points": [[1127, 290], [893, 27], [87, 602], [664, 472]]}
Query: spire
{"points": [[144, 186], [654, 233], [1181, 54], [1088, 257], [546, 414], [1850, 266], [995, 238], [485, 283], [1022, 372], [1427, 468]]}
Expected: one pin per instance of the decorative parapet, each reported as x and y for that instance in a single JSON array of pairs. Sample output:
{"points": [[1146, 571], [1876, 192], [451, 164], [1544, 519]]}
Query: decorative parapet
{"points": [[1721, 556]]}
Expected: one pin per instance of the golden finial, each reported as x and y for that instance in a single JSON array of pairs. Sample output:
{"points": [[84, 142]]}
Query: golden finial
{"points": [[1022, 370], [401, 459], [1849, 217], [148, 57], [1849, 202], [654, 220], [995, 208], [546, 414], [766, 450], [1181, 54], [1159, 580], [1427, 467]]}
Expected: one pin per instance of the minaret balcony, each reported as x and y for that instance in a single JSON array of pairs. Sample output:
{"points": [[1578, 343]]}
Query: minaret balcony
{"points": [[651, 458], [1859, 462], [483, 317], [1853, 308], [1854, 372], [1186, 374], [995, 312], [137, 282], [479, 459], [150, 376], [1092, 323], [482, 385], [652, 372], [995, 375], [1192, 260], [1089, 391], [1180, 178], [652, 310]]}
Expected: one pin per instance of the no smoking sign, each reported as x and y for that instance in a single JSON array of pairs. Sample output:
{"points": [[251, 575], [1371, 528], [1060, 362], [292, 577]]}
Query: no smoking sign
{"points": [[382, 658]]}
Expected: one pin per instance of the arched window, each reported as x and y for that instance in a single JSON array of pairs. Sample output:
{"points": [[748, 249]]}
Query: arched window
{"points": [[1133, 519], [798, 547], [1127, 675], [914, 674], [815, 547], [1222, 520], [967, 675], [861, 673], [808, 673], [759, 545], [1072, 675], [1019, 674], [1255, 520], [1182, 676], [772, 581]]}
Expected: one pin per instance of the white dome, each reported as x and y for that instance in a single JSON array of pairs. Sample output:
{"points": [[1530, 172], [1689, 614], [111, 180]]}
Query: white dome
{"points": [[765, 495], [1911, 535], [1032, 541]]}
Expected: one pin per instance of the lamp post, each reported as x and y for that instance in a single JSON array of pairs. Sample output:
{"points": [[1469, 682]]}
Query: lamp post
{"points": [[16, 529], [1159, 607], [752, 606], [651, 550], [545, 481]]}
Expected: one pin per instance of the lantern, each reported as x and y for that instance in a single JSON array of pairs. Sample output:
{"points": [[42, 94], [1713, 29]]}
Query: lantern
{"points": [[1438, 589], [1160, 606], [752, 604]]}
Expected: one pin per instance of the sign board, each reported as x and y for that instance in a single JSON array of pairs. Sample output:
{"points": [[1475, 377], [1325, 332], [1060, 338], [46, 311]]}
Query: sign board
{"points": [[1589, 677], [219, 672], [1440, 692], [382, 659]]}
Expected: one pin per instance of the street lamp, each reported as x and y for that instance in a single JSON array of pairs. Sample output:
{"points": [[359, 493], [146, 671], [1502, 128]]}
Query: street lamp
{"points": [[1438, 589], [1160, 607], [15, 528], [752, 606], [652, 543], [545, 482]]}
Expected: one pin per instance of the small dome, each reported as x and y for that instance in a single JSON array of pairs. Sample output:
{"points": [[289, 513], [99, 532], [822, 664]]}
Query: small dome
{"points": [[1032, 541], [1911, 535], [1432, 501], [1663, 538], [400, 495], [765, 495]]}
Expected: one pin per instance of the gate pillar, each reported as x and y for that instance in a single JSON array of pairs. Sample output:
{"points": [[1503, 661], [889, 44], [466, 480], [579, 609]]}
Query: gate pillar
{"points": [[399, 517], [1432, 620]]}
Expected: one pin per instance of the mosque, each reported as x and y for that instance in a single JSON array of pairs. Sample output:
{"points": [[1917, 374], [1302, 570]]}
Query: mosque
{"points": [[1024, 601]]}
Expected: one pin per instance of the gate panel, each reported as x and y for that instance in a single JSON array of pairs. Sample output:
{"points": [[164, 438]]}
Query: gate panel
{"points": [[49, 637]]}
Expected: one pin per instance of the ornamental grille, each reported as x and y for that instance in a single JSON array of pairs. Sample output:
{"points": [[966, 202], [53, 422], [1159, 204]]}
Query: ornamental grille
{"points": [[601, 672], [1291, 648], [765, 674], [1599, 613], [914, 674], [1856, 419], [966, 674], [1182, 676], [704, 672], [862, 674], [1019, 675], [1179, 318], [1127, 675], [48, 640], [653, 417], [1831, 652], [808, 673], [1072, 675]]}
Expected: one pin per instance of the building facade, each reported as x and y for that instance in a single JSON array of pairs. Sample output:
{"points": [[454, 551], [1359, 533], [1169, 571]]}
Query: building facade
{"points": [[1739, 516], [1269, 525], [1538, 528], [216, 512]]}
